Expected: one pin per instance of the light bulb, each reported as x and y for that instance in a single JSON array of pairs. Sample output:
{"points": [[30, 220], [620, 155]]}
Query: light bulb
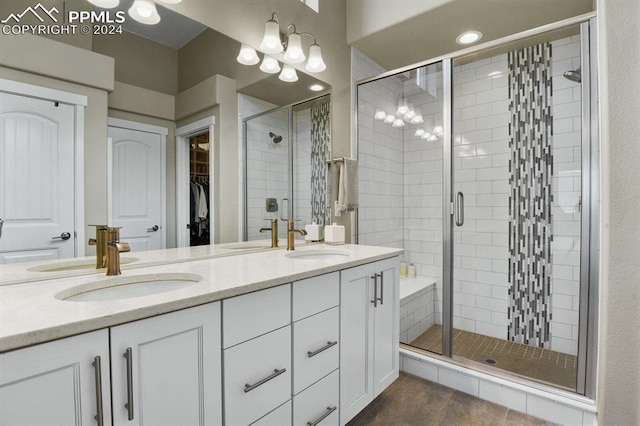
{"points": [[271, 41], [315, 62], [294, 53], [403, 108], [410, 115], [247, 55], [269, 65], [144, 11], [288, 74], [398, 123], [390, 119], [419, 132], [438, 130], [433, 138], [105, 4], [417, 119], [426, 135], [380, 115]]}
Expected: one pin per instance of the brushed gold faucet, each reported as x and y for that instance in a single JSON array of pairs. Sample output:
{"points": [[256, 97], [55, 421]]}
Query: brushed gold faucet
{"points": [[100, 241], [274, 232], [114, 248], [291, 245]]}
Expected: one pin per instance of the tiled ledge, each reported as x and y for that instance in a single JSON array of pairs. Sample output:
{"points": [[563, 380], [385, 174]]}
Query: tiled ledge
{"points": [[558, 407]]}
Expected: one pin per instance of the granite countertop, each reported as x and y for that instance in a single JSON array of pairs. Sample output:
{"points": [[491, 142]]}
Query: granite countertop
{"points": [[34, 312]]}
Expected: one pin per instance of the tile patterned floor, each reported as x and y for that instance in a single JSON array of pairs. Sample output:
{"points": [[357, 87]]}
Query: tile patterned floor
{"points": [[412, 401], [536, 363]]}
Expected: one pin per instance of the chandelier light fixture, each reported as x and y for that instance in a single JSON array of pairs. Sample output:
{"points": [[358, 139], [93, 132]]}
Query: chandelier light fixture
{"points": [[143, 11], [273, 44]]}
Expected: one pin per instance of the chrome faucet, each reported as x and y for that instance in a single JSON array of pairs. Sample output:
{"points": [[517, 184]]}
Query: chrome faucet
{"points": [[100, 241], [291, 245], [114, 248], [274, 232]]}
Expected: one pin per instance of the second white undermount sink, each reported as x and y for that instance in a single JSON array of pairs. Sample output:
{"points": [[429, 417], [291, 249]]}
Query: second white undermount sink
{"points": [[318, 254], [120, 287]]}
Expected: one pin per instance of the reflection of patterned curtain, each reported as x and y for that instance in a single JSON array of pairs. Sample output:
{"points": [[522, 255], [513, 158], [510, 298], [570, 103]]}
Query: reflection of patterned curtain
{"points": [[530, 199], [320, 140]]}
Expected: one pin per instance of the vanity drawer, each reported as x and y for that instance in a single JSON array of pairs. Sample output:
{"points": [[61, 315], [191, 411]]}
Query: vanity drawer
{"points": [[315, 295], [281, 416], [254, 363], [251, 315], [317, 401], [314, 353]]}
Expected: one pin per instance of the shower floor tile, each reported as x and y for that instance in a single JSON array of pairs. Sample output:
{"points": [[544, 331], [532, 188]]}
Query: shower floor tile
{"points": [[412, 401], [544, 365]]}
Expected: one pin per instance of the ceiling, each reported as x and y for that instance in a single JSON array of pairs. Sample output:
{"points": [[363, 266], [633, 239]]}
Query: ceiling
{"points": [[433, 33], [173, 30]]}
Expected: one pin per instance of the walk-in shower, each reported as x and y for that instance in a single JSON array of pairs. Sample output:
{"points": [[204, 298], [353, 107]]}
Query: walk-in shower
{"points": [[480, 166], [285, 153]]}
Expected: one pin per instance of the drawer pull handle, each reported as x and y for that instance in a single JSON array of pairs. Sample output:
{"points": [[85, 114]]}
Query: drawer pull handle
{"points": [[97, 366], [374, 277], [129, 405], [311, 354], [276, 373], [323, 416]]}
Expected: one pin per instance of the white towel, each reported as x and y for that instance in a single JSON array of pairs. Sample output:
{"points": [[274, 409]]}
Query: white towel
{"points": [[347, 187]]}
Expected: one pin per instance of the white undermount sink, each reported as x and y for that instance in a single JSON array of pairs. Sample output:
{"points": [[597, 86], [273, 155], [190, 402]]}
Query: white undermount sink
{"points": [[127, 287], [318, 254], [75, 265]]}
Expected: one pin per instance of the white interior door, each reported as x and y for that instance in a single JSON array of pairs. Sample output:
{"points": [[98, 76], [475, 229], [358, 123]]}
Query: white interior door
{"points": [[136, 201], [36, 179]]}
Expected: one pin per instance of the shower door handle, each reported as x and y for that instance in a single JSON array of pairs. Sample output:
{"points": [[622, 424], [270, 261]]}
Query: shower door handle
{"points": [[459, 209]]}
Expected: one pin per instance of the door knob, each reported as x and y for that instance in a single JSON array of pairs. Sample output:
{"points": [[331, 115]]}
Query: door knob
{"points": [[63, 236], [153, 229]]}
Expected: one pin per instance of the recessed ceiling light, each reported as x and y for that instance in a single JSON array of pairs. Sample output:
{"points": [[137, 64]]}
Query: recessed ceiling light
{"points": [[316, 87], [468, 37]]}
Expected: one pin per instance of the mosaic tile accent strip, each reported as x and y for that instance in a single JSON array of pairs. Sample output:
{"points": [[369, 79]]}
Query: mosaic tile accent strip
{"points": [[320, 141], [530, 197]]}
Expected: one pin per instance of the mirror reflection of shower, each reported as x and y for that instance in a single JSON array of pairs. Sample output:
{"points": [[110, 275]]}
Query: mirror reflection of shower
{"points": [[573, 75], [275, 138]]}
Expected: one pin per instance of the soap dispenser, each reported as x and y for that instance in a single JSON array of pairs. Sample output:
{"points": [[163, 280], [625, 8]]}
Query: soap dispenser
{"points": [[314, 232], [334, 234]]}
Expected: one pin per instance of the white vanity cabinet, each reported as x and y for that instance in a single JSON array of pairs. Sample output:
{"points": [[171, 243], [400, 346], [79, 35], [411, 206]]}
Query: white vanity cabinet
{"points": [[166, 370], [171, 375], [61, 382], [316, 350], [257, 354], [369, 326]]}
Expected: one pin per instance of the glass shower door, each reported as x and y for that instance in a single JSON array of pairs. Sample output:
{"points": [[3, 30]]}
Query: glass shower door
{"points": [[517, 172]]}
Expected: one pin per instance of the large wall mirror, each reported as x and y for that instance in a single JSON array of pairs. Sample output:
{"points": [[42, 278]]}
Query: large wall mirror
{"points": [[168, 77]]}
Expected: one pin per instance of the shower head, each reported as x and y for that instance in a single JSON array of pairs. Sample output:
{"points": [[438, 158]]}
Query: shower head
{"points": [[275, 138], [573, 75]]}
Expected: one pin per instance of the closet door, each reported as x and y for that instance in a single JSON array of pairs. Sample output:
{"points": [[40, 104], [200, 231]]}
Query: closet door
{"points": [[36, 179], [136, 201]]}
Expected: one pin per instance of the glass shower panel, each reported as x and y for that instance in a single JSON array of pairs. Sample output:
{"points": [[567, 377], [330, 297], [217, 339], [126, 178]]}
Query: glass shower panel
{"points": [[517, 169], [400, 155], [267, 171]]}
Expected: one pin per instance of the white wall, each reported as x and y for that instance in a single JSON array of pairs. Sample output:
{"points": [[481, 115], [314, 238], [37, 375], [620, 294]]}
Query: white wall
{"points": [[619, 336]]}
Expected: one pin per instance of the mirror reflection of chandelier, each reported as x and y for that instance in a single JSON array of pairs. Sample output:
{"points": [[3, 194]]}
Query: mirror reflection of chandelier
{"points": [[143, 11]]}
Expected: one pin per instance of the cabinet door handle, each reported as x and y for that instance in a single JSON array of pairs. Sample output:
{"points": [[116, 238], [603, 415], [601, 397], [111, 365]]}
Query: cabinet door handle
{"points": [[129, 405], [276, 373], [311, 354], [381, 298], [374, 277], [323, 416], [97, 368]]}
